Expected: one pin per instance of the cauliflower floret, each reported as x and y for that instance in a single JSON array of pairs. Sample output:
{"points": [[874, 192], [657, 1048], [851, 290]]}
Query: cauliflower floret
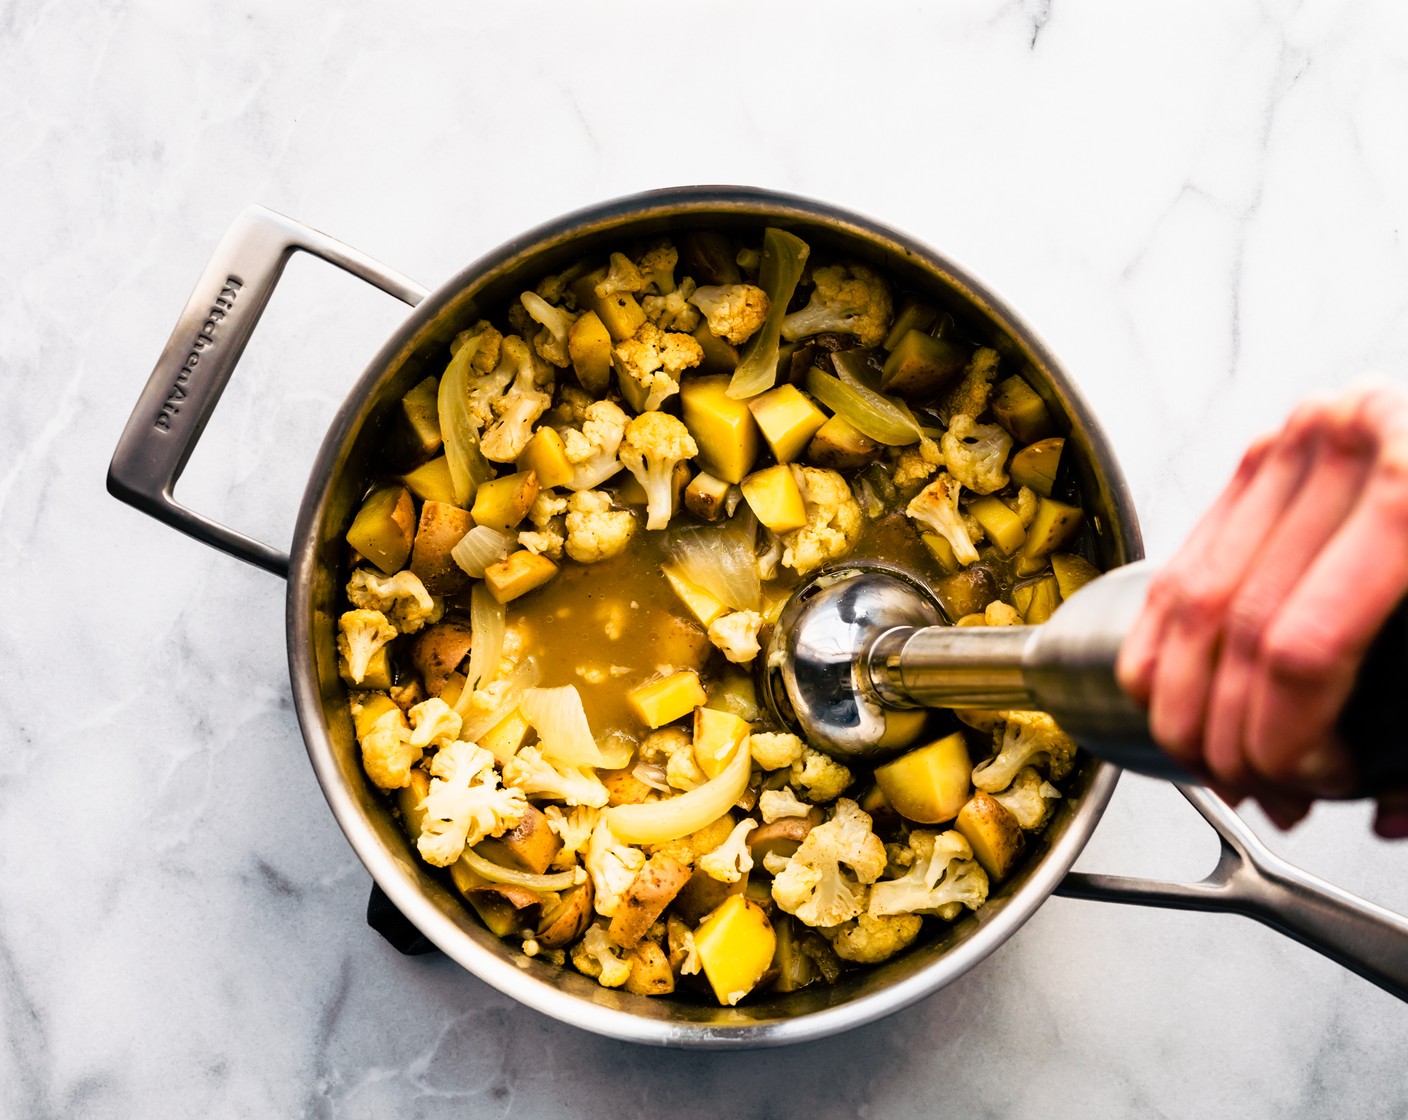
{"points": [[657, 747], [936, 507], [655, 443], [917, 464], [487, 340], [813, 885], [622, 275], [942, 879], [976, 454], [848, 299], [1024, 506], [360, 634], [657, 267], [870, 938], [673, 312], [684, 954], [683, 770], [1030, 738], [774, 804], [613, 867], [734, 312], [736, 633], [465, 803], [970, 394], [551, 341], [834, 520], [819, 777], [772, 750], [548, 535], [402, 598], [387, 752], [592, 449], [731, 860], [595, 531], [648, 366], [689, 849], [573, 826], [998, 613], [597, 956], [522, 403], [535, 775], [435, 723], [1028, 798]]}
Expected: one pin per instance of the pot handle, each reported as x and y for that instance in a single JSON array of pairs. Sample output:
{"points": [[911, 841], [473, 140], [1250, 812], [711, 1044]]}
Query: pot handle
{"points": [[199, 358], [1250, 879]]}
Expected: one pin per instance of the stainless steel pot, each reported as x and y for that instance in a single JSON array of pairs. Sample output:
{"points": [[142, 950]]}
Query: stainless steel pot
{"points": [[186, 385]]}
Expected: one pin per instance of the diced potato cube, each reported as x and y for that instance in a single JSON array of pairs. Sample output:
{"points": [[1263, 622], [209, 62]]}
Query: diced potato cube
{"points": [[941, 551], [720, 356], [716, 736], [705, 496], [1002, 525], [431, 482], [787, 418], [441, 528], [722, 427], [1072, 572], [505, 737], [840, 445], [531, 845], [700, 602], [517, 574], [375, 707], [1020, 409], [677, 643], [1055, 523], [377, 675], [410, 799], [414, 434], [930, 784], [619, 312], [992, 832], [920, 365], [589, 347], [546, 456], [384, 527], [774, 498], [663, 701], [1036, 466], [967, 591], [735, 945], [912, 315], [503, 502], [1037, 600]]}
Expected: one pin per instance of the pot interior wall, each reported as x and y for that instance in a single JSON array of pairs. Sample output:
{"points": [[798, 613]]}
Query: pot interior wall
{"points": [[420, 349]]}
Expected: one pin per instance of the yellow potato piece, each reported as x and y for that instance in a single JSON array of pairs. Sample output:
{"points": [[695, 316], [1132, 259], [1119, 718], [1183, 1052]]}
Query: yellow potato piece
{"points": [[546, 456], [431, 482], [788, 420], [589, 347], [504, 502], [1072, 572], [505, 737], [667, 699], [1036, 465], [517, 575], [716, 736], [1037, 600], [773, 497], [992, 832], [735, 945], [384, 527], [723, 428], [931, 784], [1055, 523], [1002, 525], [700, 602]]}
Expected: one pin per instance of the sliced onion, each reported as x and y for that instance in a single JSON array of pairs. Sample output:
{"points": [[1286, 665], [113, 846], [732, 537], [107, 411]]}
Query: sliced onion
{"points": [[882, 418], [497, 873], [616, 751], [480, 547], [784, 255], [658, 822], [722, 562], [560, 719], [524, 676], [468, 467], [651, 774], [487, 622]]}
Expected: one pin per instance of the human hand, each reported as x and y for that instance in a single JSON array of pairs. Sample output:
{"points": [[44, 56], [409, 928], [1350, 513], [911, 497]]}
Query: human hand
{"points": [[1252, 636]]}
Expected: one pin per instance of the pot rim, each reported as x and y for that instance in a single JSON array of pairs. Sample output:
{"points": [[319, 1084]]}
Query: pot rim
{"points": [[392, 876]]}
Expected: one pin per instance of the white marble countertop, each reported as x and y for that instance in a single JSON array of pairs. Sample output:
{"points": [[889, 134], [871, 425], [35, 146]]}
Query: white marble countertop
{"points": [[1200, 205]]}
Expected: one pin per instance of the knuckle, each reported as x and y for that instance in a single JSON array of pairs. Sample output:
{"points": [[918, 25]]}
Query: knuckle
{"points": [[1300, 655]]}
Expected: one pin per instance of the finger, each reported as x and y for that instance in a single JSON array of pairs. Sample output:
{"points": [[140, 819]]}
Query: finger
{"points": [[1391, 816], [1199, 584], [1139, 652], [1344, 454], [1285, 811], [1310, 653]]}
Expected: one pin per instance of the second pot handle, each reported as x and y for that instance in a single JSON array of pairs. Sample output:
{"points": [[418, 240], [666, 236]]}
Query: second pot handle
{"points": [[199, 357], [1250, 879]]}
